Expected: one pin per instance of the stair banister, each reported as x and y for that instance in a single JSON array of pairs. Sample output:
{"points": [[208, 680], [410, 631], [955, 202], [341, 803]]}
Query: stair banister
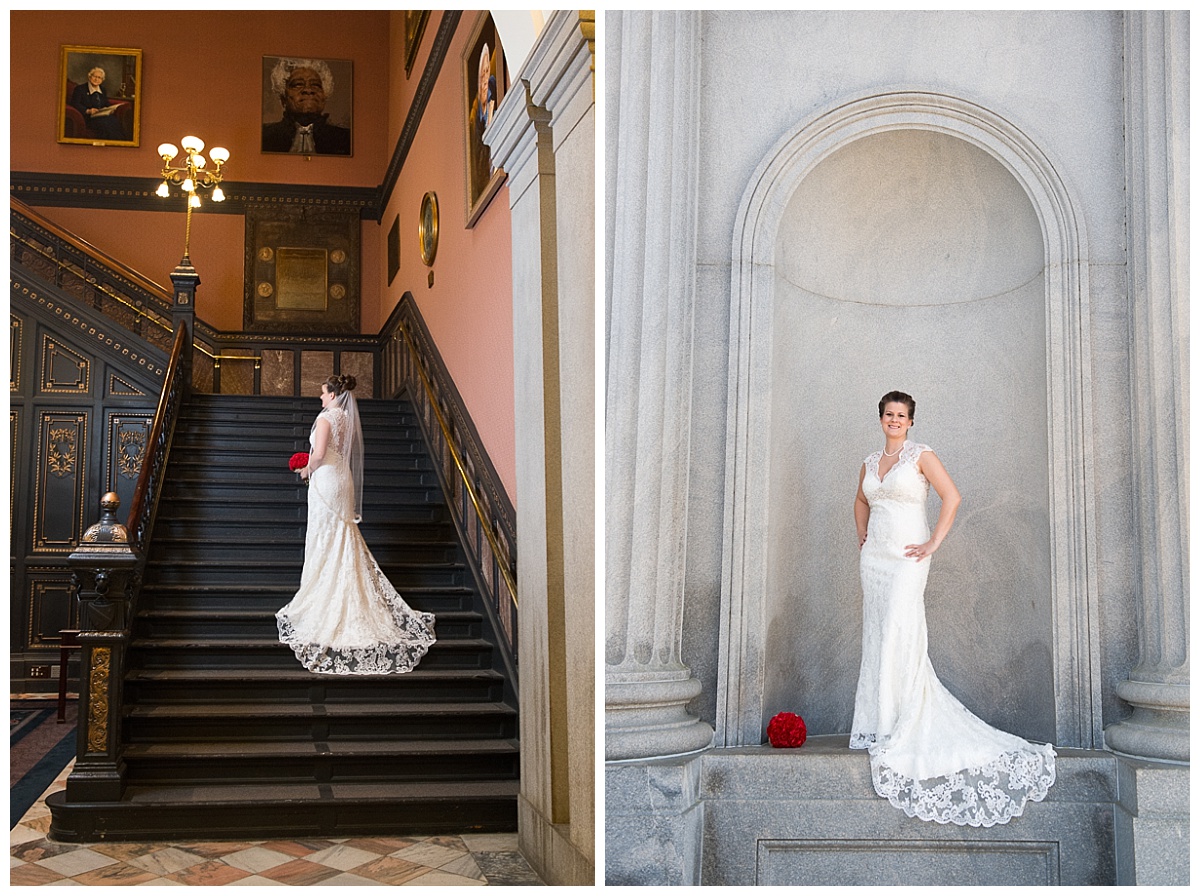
{"points": [[106, 578], [484, 522]]}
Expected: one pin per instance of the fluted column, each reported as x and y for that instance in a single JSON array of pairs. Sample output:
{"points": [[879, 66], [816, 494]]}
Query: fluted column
{"points": [[1156, 174], [652, 67]]}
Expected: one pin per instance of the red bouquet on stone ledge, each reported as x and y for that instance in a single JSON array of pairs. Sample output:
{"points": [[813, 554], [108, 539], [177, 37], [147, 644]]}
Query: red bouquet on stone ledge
{"points": [[787, 730], [298, 462]]}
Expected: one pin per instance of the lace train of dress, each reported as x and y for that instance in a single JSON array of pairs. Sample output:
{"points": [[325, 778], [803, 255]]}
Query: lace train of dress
{"points": [[930, 756], [346, 618]]}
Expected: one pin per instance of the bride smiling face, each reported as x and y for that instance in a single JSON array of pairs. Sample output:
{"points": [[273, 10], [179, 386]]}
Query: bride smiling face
{"points": [[896, 420], [327, 397]]}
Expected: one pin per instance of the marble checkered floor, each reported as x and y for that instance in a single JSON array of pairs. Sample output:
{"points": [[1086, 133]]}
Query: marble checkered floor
{"points": [[462, 860]]}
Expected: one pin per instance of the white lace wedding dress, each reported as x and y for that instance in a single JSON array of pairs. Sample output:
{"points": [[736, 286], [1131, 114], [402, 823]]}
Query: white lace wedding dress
{"points": [[347, 619], [929, 755]]}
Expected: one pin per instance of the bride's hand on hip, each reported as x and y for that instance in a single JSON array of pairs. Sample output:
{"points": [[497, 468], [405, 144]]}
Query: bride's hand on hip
{"points": [[919, 552]]}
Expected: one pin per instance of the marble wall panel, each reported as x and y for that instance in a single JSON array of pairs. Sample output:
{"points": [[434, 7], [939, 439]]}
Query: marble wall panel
{"points": [[278, 376], [315, 368], [360, 365], [237, 377]]}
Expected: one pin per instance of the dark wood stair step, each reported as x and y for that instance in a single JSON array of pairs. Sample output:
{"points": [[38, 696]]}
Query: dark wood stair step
{"points": [[283, 750], [243, 595], [297, 685], [260, 710], [217, 627], [283, 810], [255, 506], [267, 721], [329, 760], [197, 573]]}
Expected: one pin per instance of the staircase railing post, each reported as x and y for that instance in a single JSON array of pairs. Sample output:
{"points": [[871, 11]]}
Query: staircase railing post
{"points": [[105, 572], [183, 307]]}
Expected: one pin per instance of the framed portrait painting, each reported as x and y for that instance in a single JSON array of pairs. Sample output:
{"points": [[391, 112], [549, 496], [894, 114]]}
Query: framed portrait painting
{"points": [[307, 106], [485, 84], [100, 96]]}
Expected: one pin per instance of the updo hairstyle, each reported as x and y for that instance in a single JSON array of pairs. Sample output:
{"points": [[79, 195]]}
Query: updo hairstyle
{"points": [[902, 398], [341, 382]]}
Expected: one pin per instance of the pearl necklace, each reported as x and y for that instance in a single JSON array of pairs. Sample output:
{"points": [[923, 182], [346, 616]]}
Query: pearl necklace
{"points": [[894, 453]]}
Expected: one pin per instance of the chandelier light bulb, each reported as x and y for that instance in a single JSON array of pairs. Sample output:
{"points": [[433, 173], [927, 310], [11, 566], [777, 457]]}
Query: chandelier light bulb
{"points": [[198, 161], [192, 144], [163, 190], [219, 154], [218, 195], [188, 185], [167, 151], [194, 201]]}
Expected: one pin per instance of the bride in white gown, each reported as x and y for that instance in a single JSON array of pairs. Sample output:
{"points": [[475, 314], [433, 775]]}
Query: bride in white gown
{"points": [[929, 755], [346, 619]]}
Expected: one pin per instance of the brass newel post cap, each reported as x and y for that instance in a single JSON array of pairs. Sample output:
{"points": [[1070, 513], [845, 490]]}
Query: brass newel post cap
{"points": [[108, 530]]}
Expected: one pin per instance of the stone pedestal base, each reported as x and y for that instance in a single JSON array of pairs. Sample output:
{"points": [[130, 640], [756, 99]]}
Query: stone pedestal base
{"points": [[549, 850], [757, 815], [646, 715], [652, 821], [1152, 823]]}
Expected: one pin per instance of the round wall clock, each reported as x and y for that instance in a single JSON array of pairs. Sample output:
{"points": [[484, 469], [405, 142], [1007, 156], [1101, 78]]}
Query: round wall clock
{"points": [[429, 228]]}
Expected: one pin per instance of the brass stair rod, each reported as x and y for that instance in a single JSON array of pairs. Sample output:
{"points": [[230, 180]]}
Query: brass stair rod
{"points": [[484, 524]]}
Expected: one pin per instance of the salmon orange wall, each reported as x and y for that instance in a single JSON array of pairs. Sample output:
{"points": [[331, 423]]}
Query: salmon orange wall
{"points": [[469, 306], [210, 86]]}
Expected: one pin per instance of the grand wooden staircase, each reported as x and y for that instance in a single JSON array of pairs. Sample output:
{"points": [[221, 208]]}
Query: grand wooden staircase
{"points": [[224, 734]]}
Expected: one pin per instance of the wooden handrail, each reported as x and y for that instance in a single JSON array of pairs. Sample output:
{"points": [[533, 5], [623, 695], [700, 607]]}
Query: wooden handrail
{"points": [[158, 444], [101, 257]]}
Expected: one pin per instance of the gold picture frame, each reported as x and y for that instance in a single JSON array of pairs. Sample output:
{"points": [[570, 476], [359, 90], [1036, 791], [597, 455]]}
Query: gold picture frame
{"points": [[414, 27], [428, 228], [103, 112], [485, 84]]}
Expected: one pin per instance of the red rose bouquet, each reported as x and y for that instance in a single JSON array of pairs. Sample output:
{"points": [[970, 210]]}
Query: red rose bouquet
{"points": [[298, 462], [787, 730]]}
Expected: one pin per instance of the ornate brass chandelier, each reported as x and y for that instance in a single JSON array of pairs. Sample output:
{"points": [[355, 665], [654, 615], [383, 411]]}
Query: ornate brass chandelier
{"points": [[192, 177]]}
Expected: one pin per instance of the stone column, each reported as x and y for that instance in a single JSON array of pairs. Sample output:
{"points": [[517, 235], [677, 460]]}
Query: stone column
{"points": [[1156, 176], [650, 256], [543, 136]]}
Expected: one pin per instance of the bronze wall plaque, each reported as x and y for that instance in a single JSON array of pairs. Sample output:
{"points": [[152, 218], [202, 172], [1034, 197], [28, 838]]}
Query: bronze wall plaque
{"points": [[302, 269], [300, 279]]}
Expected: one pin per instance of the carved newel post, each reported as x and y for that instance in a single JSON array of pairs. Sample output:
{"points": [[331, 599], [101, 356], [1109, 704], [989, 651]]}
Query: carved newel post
{"points": [[105, 571], [183, 308]]}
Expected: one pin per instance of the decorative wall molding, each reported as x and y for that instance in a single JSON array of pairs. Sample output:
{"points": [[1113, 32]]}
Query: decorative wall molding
{"points": [[137, 194], [103, 333], [61, 474]]}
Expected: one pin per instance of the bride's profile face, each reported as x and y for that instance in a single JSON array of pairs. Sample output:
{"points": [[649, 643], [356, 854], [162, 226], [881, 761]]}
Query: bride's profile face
{"points": [[895, 420], [327, 397]]}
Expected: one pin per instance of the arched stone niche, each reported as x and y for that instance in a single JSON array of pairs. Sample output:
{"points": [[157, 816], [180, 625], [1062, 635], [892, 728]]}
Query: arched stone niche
{"points": [[912, 241]]}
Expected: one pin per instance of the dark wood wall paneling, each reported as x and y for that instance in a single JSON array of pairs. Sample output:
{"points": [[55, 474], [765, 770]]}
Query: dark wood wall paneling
{"points": [[79, 415]]}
